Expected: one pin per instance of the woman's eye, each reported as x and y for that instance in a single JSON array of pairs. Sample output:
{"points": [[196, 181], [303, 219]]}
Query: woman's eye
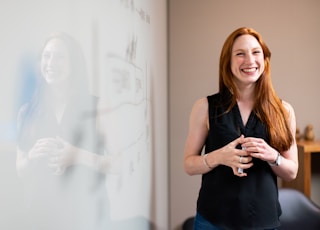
{"points": [[46, 56], [240, 54], [59, 57]]}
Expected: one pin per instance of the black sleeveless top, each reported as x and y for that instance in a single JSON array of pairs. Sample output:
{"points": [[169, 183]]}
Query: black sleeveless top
{"points": [[80, 192], [229, 201]]}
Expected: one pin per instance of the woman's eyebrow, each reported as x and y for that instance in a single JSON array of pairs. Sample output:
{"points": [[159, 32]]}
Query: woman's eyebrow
{"points": [[241, 49]]}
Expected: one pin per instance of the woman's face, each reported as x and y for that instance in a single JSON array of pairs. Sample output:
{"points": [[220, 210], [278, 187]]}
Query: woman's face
{"points": [[55, 62], [247, 60]]}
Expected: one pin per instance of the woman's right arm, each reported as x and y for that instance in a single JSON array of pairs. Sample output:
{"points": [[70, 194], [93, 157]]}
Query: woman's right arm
{"points": [[198, 131]]}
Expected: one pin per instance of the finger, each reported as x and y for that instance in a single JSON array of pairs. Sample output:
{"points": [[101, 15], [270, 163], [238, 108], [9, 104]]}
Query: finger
{"points": [[45, 145], [252, 139], [245, 159], [35, 154], [55, 159], [48, 140], [60, 142], [237, 141], [236, 173], [245, 166], [251, 147], [257, 155], [249, 142], [43, 148], [59, 171], [54, 165], [40, 150]]}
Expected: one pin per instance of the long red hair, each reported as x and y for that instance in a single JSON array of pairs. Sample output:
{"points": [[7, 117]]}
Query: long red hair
{"points": [[268, 106]]}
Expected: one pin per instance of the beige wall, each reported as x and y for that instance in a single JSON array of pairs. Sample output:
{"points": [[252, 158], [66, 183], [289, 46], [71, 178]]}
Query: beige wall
{"points": [[197, 30]]}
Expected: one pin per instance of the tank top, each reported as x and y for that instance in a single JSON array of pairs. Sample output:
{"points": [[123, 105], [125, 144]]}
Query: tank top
{"points": [[229, 201], [77, 199]]}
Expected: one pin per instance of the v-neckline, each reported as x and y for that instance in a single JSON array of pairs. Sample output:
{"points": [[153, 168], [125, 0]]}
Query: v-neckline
{"points": [[58, 114], [240, 120]]}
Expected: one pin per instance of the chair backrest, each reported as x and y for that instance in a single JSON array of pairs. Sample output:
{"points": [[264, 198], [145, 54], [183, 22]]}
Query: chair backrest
{"points": [[298, 211], [188, 223]]}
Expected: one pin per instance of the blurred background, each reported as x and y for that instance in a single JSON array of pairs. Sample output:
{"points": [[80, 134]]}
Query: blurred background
{"points": [[197, 31], [148, 61]]}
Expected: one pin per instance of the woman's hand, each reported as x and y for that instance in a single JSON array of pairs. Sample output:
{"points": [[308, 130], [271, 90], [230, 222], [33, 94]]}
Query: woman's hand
{"points": [[235, 158], [258, 148], [42, 148], [63, 156]]}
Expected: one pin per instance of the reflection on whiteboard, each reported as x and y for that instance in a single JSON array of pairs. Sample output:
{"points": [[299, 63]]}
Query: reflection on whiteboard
{"points": [[116, 38]]}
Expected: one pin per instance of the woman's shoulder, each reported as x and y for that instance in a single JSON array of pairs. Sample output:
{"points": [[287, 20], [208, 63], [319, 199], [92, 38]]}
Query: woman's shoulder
{"points": [[201, 103], [287, 106], [290, 111], [215, 96], [200, 106]]}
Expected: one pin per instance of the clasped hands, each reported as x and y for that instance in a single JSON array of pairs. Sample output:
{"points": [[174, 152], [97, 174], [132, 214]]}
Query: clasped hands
{"points": [[242, 158], [60, 153]]}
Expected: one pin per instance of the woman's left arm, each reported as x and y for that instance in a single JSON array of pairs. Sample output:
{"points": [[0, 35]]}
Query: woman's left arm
{"points": [[288, 168], [284, 164]]}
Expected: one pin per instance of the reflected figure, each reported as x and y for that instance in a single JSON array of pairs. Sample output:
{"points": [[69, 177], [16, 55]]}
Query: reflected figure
{"points": [[60, 154]]}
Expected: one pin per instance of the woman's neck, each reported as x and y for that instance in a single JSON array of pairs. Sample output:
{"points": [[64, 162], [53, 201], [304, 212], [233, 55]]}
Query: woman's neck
{"points": [[59, 111], [246, 95], [59, 99]]}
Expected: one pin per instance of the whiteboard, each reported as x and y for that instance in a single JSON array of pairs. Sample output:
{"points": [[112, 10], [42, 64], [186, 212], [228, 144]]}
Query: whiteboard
{"points": [[118, 38]]}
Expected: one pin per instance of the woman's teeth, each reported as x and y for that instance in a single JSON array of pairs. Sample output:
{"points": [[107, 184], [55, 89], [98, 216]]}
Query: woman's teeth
{"points": [[249, 70]]}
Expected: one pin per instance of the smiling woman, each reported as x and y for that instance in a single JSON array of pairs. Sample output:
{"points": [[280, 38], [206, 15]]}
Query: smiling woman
{"points": [[60, 155], [55, 62], [244, 126], [247, 63]]}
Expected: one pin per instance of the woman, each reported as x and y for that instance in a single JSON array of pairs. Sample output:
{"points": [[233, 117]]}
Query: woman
{"points": [[60, 153], [249, 138]]}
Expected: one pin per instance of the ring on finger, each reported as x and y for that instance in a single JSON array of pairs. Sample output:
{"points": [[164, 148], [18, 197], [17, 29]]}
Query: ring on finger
{"points": [[240, 160]]}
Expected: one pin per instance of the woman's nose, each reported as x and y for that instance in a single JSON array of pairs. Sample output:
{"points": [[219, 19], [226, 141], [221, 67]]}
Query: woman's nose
{"points": [[52, 60], [249, 58]]}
